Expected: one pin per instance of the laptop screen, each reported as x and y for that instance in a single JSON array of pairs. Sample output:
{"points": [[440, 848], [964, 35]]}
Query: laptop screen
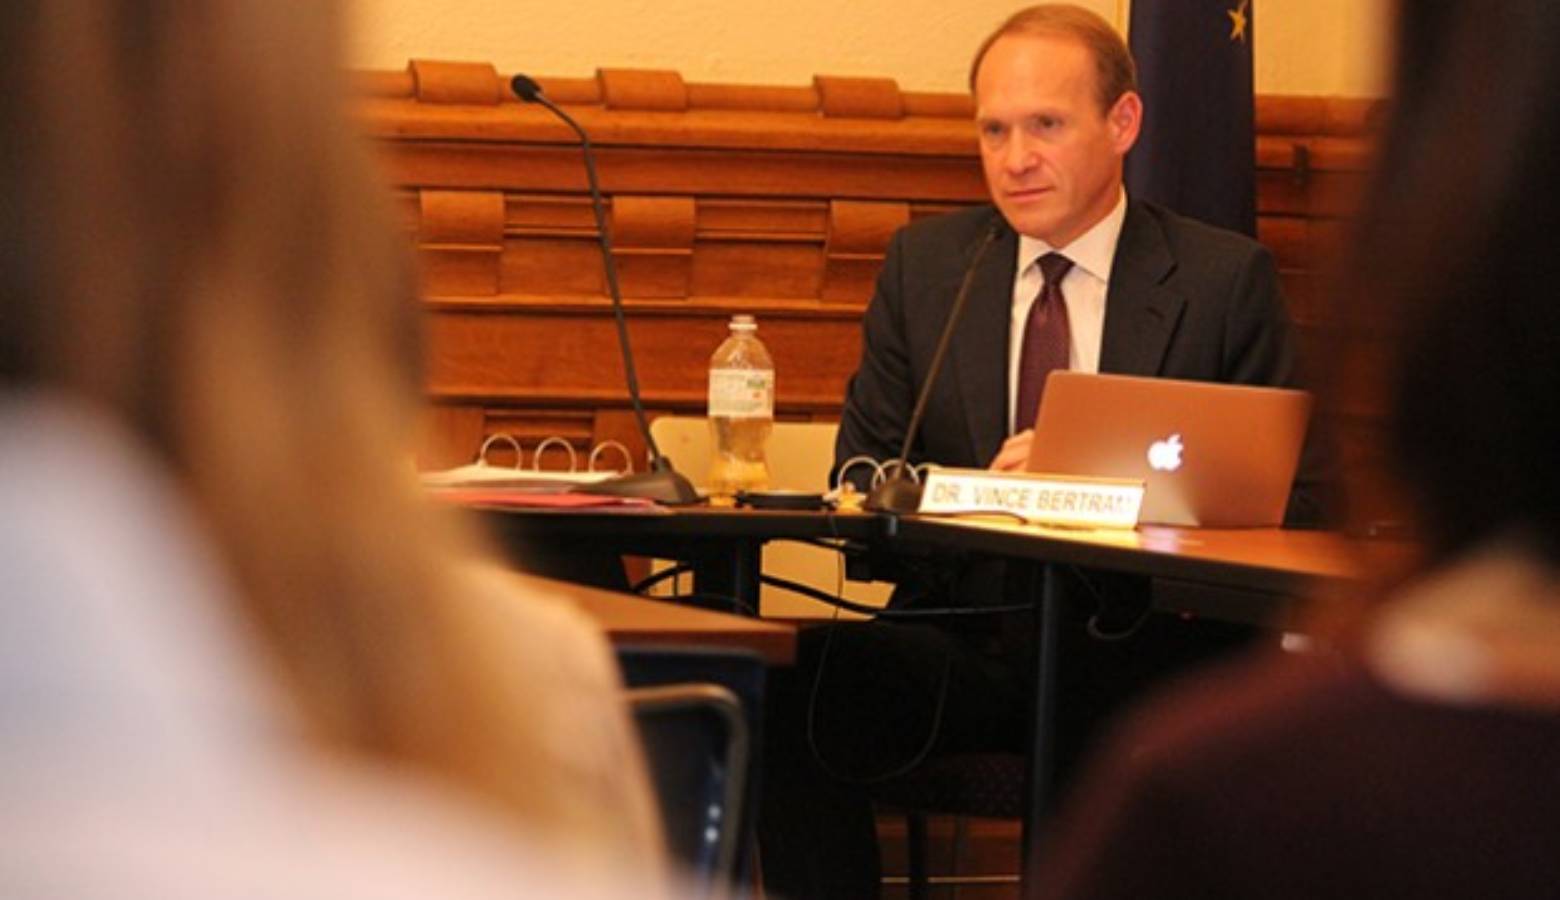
{"points": [[1213, 455]]}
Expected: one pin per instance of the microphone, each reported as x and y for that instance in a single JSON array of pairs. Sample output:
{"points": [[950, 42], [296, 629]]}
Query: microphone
{"points": [[899, 494], [662, 482]]}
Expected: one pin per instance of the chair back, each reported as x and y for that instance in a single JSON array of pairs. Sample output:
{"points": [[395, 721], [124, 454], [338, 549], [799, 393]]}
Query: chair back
{"points": [[702, 761], [800, 455], [697, 744]]}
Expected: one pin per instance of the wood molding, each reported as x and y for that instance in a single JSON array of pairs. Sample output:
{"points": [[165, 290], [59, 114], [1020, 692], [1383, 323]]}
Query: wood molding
{"points": [[859, 98], [856, 245], [652, 244], [454, 82], [460, 240], [642, 89]]}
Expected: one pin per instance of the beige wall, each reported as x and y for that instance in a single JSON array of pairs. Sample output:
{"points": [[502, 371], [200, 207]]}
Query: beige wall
{"points": [[1330, 47], [1326, 47]]}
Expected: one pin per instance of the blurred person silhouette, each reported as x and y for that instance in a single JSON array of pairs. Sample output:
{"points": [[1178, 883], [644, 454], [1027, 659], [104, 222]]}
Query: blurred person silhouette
{"points": [[239, 656], [1420, 760]]}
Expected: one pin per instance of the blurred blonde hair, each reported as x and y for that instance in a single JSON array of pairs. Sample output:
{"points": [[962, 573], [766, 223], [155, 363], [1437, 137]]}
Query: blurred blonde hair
{"points": [[193, 239]]}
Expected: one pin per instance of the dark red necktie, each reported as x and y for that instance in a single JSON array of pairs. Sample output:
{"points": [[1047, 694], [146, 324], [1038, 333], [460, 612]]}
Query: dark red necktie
{"points": [[1046, 340]]}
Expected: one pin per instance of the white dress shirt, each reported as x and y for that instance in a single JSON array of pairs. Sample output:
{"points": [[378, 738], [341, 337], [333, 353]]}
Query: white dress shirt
{"points": [[1084, 289]]}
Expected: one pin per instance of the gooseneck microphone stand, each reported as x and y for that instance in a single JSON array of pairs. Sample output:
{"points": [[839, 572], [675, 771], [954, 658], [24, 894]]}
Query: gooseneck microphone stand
{"points": [[661, 483], [899, 493]]}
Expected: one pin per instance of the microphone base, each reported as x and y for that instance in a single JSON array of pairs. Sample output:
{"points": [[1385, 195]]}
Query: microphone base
{"points": [[900, 496], [661, 485]]}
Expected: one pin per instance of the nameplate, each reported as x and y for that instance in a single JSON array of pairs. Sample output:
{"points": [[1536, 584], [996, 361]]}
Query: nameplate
{"points": [[1039, 498]]}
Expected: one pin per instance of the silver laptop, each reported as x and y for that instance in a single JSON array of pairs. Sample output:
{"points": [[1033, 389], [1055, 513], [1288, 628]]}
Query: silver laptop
{"points": [[1212, 455]]}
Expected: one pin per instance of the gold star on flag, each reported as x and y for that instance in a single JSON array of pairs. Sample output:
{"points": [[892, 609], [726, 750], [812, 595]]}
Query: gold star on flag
{"points": [[1238, 21]]}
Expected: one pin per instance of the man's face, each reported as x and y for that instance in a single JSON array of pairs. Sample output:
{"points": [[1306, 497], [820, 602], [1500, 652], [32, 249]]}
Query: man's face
{"points": [[1052, 157]]}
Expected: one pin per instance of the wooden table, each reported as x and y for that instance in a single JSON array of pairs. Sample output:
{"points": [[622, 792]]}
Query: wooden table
{"points": [[635, 620], [1252, 575]]}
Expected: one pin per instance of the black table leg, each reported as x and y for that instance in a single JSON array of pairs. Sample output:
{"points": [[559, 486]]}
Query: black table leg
{"points": [[731, 569], [1042, 761]]}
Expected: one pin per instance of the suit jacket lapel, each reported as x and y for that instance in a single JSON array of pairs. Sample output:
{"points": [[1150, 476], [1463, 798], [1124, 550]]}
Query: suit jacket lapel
{"points": [[1140, 313], [979, 349]]}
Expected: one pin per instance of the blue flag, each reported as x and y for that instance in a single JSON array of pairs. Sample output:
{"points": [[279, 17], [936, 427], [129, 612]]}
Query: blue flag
{"points": [[1197, 152]]}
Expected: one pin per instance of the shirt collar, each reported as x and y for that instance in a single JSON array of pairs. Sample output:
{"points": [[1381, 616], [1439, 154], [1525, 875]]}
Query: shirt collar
{"points": [[1093, 251]]}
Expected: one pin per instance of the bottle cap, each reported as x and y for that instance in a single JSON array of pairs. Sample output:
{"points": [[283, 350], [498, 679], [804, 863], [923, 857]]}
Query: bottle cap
{"points": [[743, 323]]}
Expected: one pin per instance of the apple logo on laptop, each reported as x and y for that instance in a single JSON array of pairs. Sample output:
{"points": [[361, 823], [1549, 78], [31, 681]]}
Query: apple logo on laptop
{"points": [[1165, 455]]}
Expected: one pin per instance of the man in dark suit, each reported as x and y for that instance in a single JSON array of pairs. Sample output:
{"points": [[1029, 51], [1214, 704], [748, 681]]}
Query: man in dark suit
{"points": [[1077, 276], [1185, 300]]}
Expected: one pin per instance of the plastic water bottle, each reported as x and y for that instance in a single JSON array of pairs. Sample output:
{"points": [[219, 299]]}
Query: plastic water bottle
{"points": [[741, 411]]}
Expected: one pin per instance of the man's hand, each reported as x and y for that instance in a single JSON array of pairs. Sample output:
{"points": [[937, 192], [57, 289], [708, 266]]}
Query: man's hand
{"points": [[1014, 454]]}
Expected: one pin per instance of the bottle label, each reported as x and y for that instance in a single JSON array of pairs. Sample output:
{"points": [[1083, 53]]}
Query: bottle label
{"points": [[742, 393]]}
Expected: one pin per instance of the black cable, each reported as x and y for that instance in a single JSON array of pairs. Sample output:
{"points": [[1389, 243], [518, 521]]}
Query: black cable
{"points": [[888, 613], [827, 543], [726, 602], [812, 697], [839, 602], [833, 600], [1092, 626], [665, 574], [915, 760]]}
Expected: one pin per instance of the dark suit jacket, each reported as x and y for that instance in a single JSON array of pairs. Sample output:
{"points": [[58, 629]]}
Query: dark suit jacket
{"points": [[1185, 300]]}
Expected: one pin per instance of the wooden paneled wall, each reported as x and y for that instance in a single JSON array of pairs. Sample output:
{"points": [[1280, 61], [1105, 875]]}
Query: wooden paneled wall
{"points": [[776, 201]]}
